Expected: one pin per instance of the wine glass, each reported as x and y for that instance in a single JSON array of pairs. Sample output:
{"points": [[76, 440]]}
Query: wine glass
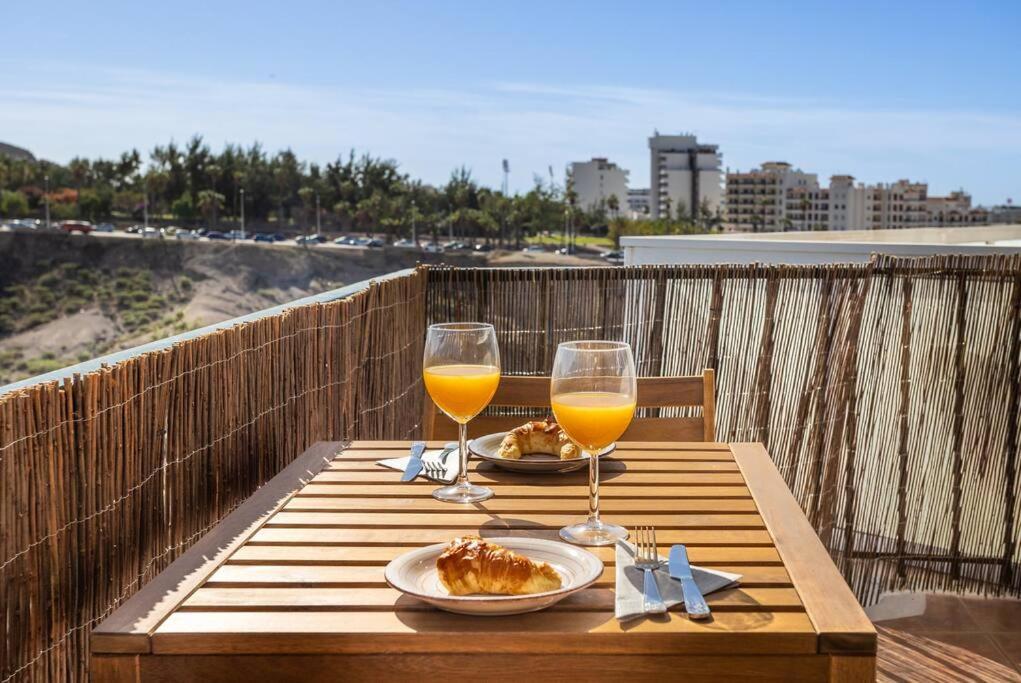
{"points": [[461, 370], [593, 393]]}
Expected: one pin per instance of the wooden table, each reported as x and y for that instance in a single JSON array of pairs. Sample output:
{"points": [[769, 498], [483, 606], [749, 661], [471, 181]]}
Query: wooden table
{"points": [[290, 586]]}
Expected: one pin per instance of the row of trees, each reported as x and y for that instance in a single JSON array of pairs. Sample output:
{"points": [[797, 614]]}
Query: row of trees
{"points": [[191, 184]]}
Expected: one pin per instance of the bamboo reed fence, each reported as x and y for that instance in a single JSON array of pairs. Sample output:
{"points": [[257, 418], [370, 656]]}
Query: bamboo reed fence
{"points": [[887, 394], [107, 477]]}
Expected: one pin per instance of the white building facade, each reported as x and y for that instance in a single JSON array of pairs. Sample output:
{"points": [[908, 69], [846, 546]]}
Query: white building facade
{"points": [[778, 198], [684, 175], [639, 202], [758, 201], [596, 181]]}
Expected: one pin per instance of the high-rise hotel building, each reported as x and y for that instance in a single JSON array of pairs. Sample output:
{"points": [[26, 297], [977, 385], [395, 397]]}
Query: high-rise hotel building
{"points": [[684, 175]]}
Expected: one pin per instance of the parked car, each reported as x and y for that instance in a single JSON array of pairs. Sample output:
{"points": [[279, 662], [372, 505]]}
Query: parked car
{"points": [[216, 235], [456, 246], [569, 249], [483, 247], [134, 229], [310, 239], [24, 224], [104, 227], [615, 257], [264, 237], [151, 232], [84, 227], [405, 244], [346, 241], [375, 243], [186, 234], [534, 248], [434, 248]]}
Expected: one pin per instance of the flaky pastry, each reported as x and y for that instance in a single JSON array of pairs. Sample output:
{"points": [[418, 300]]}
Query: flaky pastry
{"points": [[471, 564]]}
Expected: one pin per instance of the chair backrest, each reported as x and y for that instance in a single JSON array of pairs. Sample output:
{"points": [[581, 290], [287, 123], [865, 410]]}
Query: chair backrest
{"points": [[653, 392]]}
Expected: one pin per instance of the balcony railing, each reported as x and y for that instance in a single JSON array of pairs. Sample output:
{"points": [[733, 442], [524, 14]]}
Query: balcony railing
{"points": [[887, 393]]}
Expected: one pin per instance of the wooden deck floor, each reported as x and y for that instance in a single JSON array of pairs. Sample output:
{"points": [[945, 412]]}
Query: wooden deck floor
{"points": [[948, 638]]}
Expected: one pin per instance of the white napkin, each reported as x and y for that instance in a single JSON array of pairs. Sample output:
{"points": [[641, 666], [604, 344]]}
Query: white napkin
{"points": [[630, 580], [450, 463]]}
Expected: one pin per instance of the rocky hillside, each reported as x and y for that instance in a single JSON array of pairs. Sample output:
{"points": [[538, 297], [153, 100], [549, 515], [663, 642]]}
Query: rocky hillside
{"points": [[68, 298], [13, 152]]}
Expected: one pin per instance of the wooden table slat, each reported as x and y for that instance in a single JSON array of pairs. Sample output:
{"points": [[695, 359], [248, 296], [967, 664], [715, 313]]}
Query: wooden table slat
{"points": [[355, 599], [325, 554], [419, 537], [300, 632], [421, 520], [311, 503], [622, 453], [369, 575]]}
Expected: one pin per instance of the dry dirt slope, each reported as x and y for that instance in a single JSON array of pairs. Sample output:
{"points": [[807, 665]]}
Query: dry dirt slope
{"points": [[65, 299]]}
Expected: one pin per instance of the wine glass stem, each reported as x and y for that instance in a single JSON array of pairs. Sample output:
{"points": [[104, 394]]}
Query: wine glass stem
{"points": [[593, 488], [462, 444]]}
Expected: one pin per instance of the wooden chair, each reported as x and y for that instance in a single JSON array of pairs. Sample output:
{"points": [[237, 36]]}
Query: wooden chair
{"points": [[653, 392]]}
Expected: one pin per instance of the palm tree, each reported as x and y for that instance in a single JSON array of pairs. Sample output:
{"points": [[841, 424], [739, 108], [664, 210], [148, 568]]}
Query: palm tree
{"points": [[79, 170], [210, 202], [613, 204]]}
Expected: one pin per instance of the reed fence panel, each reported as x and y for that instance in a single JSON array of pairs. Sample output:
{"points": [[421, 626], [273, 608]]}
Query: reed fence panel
{"points": [[887, 393], [107, 477]]}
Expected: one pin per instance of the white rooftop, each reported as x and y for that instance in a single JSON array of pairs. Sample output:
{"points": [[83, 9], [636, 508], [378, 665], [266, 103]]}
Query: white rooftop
{"points": [[845, 246]]}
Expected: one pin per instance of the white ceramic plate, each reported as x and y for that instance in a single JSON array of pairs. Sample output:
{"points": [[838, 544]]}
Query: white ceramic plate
{"points": [[488, 448], [414, 573]]}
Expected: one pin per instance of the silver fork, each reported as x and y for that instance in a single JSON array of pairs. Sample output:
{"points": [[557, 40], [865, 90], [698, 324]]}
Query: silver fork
{"points": [[435, 469], [647, 559]]}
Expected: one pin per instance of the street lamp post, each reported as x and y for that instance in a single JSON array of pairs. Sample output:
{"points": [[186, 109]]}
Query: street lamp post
{"points": [[318, 229], [414, 228], [242, 213], [46, 179]]}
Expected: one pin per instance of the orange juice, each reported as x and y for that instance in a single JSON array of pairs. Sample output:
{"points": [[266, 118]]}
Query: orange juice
{"points": [[593, 419], [461, 391]]}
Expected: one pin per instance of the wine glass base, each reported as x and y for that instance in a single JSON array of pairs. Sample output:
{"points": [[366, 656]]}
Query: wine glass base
{"points": [[463, 493], [593, 533]]}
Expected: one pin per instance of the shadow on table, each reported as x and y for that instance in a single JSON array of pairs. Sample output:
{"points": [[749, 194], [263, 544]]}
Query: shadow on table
{"points": [[609, 469], [407, 610]]}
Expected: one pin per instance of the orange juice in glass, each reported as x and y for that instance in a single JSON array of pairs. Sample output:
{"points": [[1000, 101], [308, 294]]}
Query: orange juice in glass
{"points": [[593, 392], [461, 391], [593, 419], [461, 370]]}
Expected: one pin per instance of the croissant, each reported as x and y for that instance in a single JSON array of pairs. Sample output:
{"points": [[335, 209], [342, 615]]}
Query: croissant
{"points": [[473, 565], [542, 436]]}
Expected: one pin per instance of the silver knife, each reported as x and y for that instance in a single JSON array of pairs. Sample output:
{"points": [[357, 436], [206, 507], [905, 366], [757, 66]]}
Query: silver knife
{"points": [[694, 603], [414, 462]]}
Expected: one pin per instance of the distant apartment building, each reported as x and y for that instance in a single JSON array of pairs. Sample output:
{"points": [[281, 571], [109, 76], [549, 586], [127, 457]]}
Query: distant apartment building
{"points": [[777, 198], [846, 204], [685, 175], [596, 181], [1005, 213], [757, 200], [639, 202], [955, 209]]}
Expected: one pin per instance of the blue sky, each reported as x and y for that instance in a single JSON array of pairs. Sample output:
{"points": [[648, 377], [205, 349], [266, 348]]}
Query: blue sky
{"points": [[925, 90]]}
